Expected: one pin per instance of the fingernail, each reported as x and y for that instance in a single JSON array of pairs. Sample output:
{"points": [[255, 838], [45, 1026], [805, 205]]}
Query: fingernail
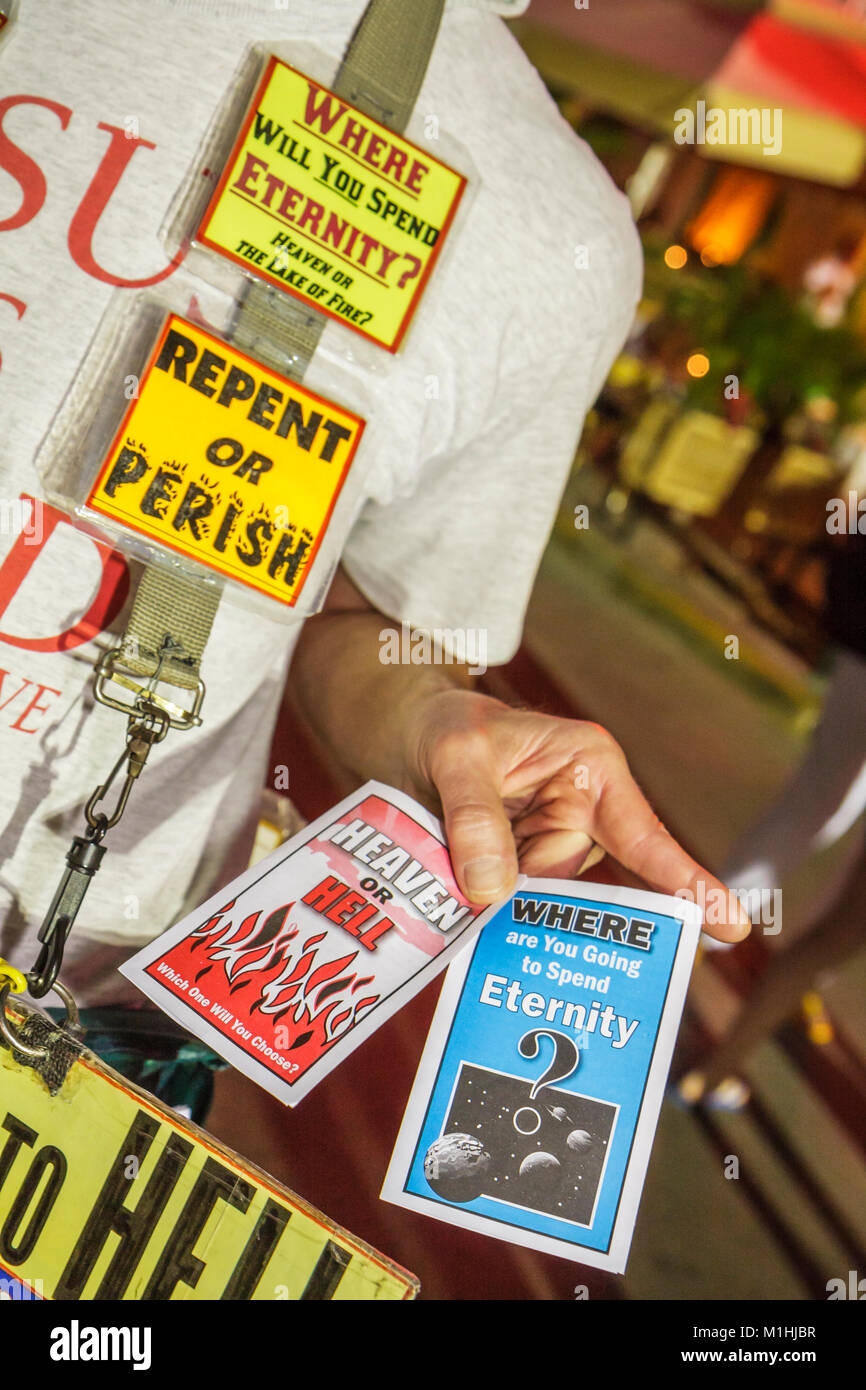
{"points": [[745, 926], [486, 877]]}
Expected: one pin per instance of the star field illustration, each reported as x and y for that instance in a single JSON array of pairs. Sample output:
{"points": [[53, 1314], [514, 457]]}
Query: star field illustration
{"points": [[546, 1153]]}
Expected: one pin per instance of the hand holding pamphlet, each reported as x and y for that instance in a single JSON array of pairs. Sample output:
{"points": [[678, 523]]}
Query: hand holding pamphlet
{"points": [[538, 1092]]}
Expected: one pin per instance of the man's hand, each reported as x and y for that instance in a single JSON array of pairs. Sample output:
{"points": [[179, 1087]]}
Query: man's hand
{"points": [[523, 789], [514, 788]]}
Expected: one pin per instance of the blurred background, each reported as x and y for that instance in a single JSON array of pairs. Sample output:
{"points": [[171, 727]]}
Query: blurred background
{"points": [[687, 601]]}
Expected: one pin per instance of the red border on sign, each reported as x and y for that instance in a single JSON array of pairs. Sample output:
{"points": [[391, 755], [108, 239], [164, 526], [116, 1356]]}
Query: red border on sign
{"points": [[201, 237], [167, 544]]}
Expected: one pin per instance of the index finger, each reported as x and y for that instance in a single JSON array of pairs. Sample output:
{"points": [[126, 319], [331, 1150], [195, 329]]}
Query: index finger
{"points": [[625, 825]]}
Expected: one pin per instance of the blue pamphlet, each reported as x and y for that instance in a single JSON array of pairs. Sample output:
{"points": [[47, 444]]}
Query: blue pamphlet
{"points": [[532, 1115]]}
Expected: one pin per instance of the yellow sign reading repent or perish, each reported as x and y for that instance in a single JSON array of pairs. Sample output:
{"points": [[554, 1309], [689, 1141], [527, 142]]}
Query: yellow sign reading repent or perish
{"points": [[106, 1194], [228, 462], [323, 201]]}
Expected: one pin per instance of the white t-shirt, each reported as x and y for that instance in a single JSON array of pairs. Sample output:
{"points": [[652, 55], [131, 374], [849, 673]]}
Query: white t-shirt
{"points": [[521, 323]]}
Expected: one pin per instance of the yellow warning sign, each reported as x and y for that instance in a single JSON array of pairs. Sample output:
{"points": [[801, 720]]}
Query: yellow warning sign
{"points": [[227, 462], [106, 1194], [323, 201]]}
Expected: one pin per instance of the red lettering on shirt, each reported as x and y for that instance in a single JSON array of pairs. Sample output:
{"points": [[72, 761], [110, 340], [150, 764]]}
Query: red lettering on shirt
{"points": [[34, 190], [32, 707], [15, 693], [109, 600], [23, 169], [94, 203], [18, 305]]}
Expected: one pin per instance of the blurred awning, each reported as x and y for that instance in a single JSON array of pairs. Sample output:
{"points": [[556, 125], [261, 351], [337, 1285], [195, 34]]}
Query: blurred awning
{"points": [[648, 61], [845, 18]]}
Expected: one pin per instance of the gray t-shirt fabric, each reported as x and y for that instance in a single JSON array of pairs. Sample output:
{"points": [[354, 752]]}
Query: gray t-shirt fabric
{"points": [[476, 418]]}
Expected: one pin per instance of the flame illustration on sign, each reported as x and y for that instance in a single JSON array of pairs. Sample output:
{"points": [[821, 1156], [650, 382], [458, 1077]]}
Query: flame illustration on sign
{"points": [[269, 972]]}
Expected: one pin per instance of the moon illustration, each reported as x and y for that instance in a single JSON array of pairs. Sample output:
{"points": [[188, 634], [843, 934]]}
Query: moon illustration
{"points": [[455, 1166]]}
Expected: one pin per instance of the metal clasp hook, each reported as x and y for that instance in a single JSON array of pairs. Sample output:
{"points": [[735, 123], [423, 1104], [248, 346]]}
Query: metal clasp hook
{"points": [[141, 737], [144, 691], [9, 1033], [86, 852]]}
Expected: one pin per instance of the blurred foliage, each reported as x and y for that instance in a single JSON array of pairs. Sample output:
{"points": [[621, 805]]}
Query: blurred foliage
{"points": [[605, 135], [754, 329]]}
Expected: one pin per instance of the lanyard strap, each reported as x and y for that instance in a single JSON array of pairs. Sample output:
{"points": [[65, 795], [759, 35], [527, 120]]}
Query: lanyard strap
{"points": [[168, 628], [172, 616], [381, 74], [388, 57]]}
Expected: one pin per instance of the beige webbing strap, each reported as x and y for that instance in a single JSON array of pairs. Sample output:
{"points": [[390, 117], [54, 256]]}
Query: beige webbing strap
{"points": [[381, 74], [171, 617], [385, 64], [277, 330]]}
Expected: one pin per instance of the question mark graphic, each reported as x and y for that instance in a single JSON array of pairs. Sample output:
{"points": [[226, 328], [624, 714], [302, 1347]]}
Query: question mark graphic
{"points": [[409, 274], [566, 1056]]}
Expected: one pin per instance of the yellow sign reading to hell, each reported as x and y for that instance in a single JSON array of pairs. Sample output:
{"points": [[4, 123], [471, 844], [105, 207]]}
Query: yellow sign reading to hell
{"points": [[227, 462], [323, 201], [106, 1194]]}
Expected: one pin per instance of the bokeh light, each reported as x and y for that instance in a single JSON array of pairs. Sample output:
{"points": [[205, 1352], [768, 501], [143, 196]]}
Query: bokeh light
{"points": [[698, 364]]}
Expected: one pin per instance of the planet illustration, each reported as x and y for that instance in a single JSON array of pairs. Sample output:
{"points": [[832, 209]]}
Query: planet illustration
{"points": [[455, 1166], [558, 1112], [579, 1140], [537, 1163]]}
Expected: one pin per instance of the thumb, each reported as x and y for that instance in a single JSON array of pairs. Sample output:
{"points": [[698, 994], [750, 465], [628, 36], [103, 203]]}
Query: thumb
{"points": [[478, 830]]}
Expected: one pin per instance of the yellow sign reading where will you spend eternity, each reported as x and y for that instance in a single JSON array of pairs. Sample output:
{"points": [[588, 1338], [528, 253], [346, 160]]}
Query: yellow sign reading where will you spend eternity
{"points": [[324, 202]]}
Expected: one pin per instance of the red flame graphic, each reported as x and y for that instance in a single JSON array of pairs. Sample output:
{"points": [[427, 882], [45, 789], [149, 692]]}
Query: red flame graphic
{"points": [[297, 1007]]}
